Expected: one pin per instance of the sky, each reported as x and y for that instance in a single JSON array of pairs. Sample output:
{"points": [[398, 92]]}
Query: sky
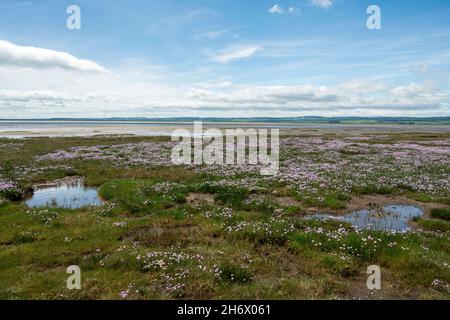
{"points": [[224, 58]]}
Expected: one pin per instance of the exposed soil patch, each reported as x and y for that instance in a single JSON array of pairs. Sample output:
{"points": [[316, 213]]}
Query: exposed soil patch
{"points": [[200, 198], [291, 202], [287, 201], [357, 289], [178, 235]]}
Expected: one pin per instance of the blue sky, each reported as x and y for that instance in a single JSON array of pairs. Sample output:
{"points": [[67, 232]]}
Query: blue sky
{"points": [[224, 58]]}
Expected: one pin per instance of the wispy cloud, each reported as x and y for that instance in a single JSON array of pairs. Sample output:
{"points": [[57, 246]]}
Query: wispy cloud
{"points": [[322, 3], [236, 53], [211, 35], [184, 20], [17, 4], [39, 58]]}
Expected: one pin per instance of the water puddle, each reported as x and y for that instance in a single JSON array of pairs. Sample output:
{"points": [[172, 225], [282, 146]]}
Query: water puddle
{"points": [[66, 193], [391, 217]]}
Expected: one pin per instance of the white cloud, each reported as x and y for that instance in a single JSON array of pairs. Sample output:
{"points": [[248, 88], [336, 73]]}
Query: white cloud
{"points": [[353, 98], [276, 9], [424, 67], [39, 58], [410, 90], [36, 95], [322, 3], [215, 84], [266, 95], [236, 53], [362, 86]]}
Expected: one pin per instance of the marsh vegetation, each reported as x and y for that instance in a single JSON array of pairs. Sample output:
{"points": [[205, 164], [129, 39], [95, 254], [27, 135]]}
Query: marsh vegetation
{"points": [[203, 232]]}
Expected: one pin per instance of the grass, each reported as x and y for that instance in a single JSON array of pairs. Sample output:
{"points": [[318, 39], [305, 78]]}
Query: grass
{"points": [[232, 273], [434, 225], [146, 240], [441, 213]]}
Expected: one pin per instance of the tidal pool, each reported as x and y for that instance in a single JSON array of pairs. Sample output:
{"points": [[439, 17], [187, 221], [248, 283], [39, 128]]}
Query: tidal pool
{"points": [[391, 217], [66, 193]]}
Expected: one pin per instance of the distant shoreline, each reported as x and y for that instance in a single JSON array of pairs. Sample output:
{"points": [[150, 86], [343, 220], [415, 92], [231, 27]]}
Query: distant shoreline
{"points": [[89, 128], [302, 120]]}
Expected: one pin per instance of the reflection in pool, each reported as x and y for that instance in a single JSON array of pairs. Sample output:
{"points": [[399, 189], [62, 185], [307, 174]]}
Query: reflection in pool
{"points": [[67, 193], [392, 217]]}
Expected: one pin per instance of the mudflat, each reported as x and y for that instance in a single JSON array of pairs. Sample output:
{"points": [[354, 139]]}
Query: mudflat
{"points": [[21, 129]]}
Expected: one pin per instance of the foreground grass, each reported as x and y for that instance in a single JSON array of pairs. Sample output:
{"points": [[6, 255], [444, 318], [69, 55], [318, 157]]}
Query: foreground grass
{"points": [[148, 242]]}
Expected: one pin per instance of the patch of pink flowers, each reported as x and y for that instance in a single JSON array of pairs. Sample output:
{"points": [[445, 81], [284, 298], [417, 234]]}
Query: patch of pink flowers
{"points": [[6, 185], [142, 153]]}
